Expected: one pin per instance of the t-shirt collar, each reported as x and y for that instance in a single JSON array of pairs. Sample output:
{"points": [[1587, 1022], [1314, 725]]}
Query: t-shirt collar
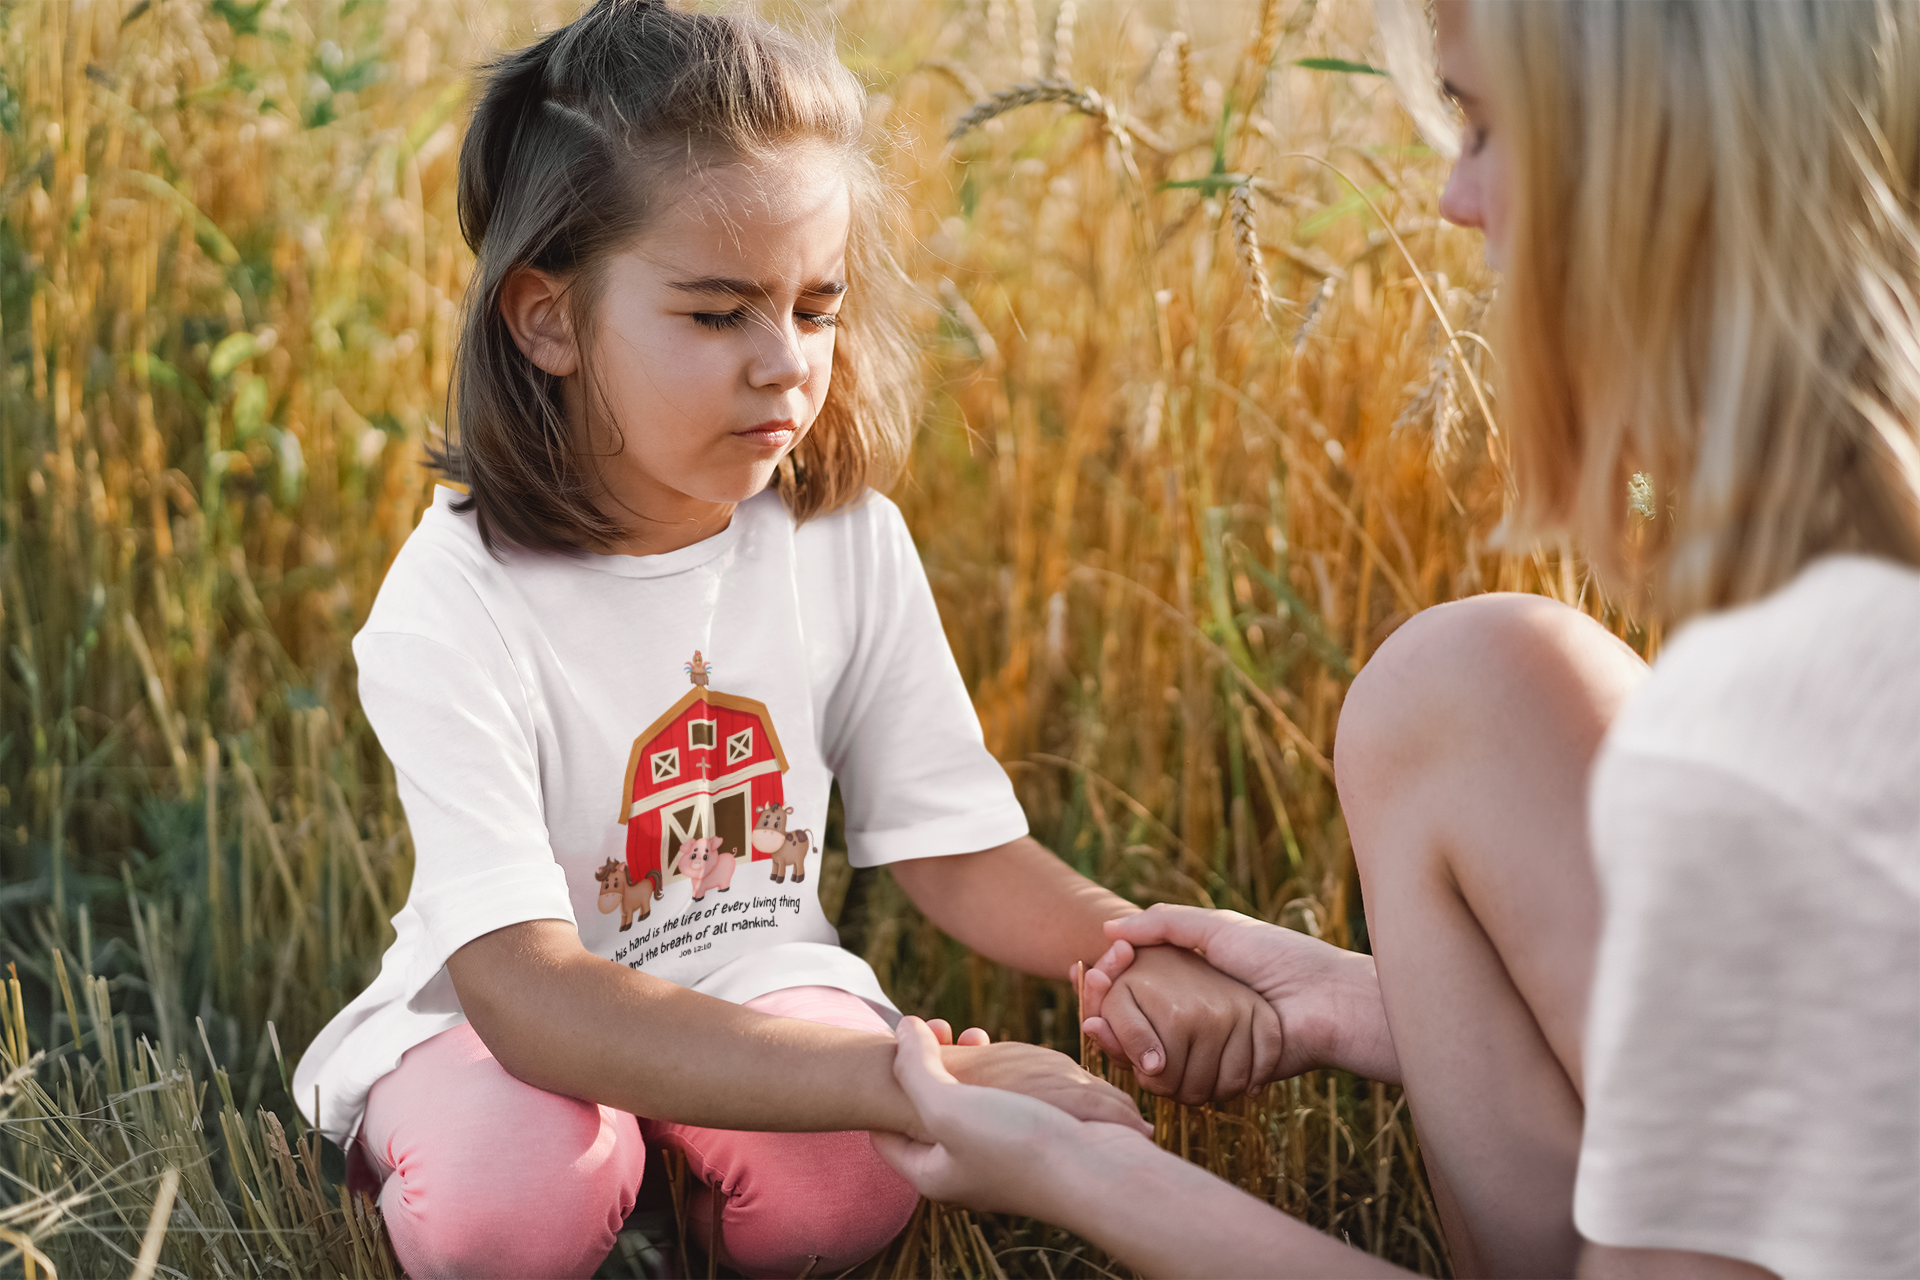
{"points": [[661, 565]]}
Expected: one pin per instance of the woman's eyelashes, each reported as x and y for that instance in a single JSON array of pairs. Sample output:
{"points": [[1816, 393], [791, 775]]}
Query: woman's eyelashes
{"points": [[1476, 139], [734, 319]]}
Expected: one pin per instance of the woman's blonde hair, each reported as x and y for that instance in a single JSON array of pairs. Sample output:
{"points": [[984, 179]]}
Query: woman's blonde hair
{"points": [[1713, 278], [576, 142]]}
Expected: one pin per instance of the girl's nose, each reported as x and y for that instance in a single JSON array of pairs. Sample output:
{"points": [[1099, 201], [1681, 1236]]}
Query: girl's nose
{"points": [[779, 359]]}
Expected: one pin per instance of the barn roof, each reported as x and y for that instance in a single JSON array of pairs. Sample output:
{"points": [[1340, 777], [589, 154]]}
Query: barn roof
{"points": [[678, 709]]}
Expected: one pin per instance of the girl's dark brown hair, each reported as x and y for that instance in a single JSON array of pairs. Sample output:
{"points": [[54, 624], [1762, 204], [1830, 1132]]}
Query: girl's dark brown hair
{"points": [[576, 141]]}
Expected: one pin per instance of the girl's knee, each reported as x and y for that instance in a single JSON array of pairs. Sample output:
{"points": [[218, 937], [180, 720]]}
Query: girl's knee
{"points": [[518, 1207], [505, 1243], [825, 1201]]}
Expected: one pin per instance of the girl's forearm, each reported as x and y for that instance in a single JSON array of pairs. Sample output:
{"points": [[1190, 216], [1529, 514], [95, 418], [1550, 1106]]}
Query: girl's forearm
{"points": [[1197, 1225], [569, 1022], [1017, 904]]}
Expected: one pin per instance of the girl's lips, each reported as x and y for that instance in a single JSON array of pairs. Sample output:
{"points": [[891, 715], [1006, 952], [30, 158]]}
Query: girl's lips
{"points": [[772, 434]]}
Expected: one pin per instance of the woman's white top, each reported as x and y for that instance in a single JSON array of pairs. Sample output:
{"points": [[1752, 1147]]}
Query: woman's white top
{"points": [[565, 727], [1753, 1043]]}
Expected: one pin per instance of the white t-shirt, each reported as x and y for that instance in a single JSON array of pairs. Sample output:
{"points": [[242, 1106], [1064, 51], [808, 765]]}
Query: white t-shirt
{"points": [[565, 727], [1753, 1042]]}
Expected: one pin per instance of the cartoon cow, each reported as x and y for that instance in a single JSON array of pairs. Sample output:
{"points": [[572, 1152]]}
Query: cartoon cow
{"points": [[705, 866], [618, 891], [788, 849]]}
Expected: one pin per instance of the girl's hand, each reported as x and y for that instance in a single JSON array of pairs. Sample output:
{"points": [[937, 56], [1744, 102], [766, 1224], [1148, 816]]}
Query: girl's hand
{"points": [[989, 1149], [943, 1032], [1192, 1032], [1041, 1073], [1326, 1000]]}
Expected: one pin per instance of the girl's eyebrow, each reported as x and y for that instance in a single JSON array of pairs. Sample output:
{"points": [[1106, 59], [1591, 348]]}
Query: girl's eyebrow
{"points": [[751, 288]]}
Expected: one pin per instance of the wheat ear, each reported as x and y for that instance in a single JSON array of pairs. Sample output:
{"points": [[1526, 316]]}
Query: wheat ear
{"points": [[1246, 238], [1087, 102]]}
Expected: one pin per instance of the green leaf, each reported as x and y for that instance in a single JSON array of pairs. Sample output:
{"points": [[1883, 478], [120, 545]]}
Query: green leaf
{"points": [[210, 238], [1339, 64], [444, 104], [232, 351], [1353, 204], [293, 464], [1296, 610], [1209, 185], [1220, 136], [243, 18], [249, 406]]}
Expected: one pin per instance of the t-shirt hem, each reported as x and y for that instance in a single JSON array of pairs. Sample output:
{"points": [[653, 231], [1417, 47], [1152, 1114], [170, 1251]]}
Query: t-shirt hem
{"points": [[1829, 1259], [797, 964]]}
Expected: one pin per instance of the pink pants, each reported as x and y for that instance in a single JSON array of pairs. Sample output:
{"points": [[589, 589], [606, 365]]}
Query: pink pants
{"points": [[482, 1175]]}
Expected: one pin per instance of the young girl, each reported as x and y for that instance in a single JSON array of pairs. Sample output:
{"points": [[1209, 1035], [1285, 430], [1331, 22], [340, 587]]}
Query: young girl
{"points": [[1646, 943], [618, 678]]}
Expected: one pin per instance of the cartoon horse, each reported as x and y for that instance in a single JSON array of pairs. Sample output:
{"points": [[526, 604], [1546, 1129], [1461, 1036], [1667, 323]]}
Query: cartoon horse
{"points": [[788, 849], [705, 866], [617, 890]]}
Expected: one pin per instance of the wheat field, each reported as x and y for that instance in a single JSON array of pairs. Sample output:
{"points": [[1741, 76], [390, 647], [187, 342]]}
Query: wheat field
{"points": [[1207, 418]]}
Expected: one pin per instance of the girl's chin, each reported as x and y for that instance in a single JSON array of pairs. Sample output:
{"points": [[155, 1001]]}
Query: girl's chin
{"points": [[737, 487]]}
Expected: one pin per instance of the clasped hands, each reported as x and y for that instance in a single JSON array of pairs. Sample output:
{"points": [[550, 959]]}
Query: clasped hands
{"points": [[1201, 1003]]}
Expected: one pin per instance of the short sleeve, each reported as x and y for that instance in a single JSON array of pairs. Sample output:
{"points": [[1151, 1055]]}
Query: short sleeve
{"points": [[463, 751], [901, 736], [1752, 1061]]}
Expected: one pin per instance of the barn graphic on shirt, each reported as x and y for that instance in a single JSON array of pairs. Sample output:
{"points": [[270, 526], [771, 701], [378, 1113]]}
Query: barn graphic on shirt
{"points": [[703, 769]]}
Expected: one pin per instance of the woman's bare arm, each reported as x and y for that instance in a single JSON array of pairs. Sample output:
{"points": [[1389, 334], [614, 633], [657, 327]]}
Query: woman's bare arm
{"points": [[992, 1151], [562, 1019], [1156, 1212]]}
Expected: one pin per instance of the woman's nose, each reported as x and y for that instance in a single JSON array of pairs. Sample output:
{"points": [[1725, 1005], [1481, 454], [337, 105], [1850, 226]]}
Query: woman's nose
{"points": [[1460, 201]]}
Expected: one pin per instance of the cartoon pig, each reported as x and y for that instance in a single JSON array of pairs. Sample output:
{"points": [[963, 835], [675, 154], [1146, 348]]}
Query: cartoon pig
{"points": [[706, 867]]}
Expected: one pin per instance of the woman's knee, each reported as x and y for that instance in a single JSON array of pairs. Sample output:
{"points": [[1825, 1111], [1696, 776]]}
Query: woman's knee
{"points": [[1473, 670]]}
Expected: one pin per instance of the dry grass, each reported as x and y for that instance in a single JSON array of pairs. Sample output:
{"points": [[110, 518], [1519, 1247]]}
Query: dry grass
{"points": [[1196, 443]]}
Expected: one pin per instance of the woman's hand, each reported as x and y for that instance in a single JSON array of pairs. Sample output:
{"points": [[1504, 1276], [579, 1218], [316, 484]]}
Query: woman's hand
{"points": [[988, 1149], [1326, 1000], [1040, 1073]]}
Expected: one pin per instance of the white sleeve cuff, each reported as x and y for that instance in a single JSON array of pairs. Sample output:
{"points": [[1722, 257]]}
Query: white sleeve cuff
{"points": [[941, 837], [457, 913]]}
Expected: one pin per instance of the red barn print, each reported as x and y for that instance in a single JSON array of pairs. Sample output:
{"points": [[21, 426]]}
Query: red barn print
{"points": [[704, 768]]}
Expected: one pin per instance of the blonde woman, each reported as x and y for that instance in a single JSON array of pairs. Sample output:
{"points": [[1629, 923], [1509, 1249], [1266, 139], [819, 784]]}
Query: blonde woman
{"points": [[1646, 942]]}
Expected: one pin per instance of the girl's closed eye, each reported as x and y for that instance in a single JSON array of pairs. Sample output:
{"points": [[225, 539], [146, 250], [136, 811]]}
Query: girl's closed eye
{"points": [[734, 319]]}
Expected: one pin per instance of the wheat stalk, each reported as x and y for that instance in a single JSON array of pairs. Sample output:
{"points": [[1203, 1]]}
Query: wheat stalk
{"points": [[962, 76]]}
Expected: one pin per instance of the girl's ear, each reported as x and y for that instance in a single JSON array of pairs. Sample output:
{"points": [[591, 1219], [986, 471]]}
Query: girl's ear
{"points": [[534, 306]]}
